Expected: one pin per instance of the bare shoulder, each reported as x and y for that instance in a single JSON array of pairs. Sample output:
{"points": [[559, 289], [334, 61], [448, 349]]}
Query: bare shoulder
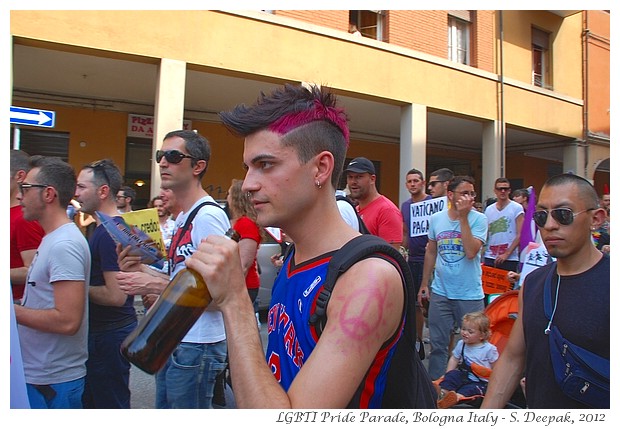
{"points": [[367, 302], [363, 313]]}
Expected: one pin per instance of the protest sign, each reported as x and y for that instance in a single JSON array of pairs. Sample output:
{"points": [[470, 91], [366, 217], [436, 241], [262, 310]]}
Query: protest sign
{"points": [[140, 230], [420, 214]]}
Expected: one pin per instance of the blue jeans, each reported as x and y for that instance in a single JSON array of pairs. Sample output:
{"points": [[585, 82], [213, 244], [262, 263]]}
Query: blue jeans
{"points": [[455, 380], [188, 377], [443, 315], [107, 370], [59, 396]]}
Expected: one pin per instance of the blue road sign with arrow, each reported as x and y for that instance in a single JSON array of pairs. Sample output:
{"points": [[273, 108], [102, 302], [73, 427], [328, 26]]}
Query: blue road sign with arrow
{"points": [[33, 117]]}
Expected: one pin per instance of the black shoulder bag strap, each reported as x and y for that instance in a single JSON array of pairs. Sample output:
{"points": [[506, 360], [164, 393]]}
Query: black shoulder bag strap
{"points": [[186, 225], [355, 250]]}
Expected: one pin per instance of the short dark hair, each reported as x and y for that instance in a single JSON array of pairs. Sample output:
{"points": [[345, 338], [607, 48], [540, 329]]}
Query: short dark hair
{"points": [[196, 145], [457, 180], [502, 180], [56, 173], [106, 172], [415, 171], [587, 193], [19, 161], [443, 174], [129, 192], [521, 193], [307, 118]]}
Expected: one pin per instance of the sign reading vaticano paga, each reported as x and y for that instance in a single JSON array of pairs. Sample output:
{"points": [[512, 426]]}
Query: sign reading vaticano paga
{"points": [[420, 214]]}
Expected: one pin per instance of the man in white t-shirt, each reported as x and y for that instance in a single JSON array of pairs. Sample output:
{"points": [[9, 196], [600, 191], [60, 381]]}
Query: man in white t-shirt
{"points": [[189, 381], [505, 219], [347, 210]]}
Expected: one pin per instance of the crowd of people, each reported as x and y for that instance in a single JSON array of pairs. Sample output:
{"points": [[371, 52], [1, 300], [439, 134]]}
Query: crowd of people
{"points": [[74, 292]]}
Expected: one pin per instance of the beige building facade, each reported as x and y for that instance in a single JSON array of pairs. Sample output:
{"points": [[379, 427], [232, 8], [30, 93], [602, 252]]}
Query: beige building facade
{"points": [[485, 93]]}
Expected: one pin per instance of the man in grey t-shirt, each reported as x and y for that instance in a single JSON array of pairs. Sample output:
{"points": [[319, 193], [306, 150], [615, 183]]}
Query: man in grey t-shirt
{"points": [[52, 318]]}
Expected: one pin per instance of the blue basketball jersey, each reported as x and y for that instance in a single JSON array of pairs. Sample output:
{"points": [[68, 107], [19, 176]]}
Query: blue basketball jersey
{"points": [[291, 339]]}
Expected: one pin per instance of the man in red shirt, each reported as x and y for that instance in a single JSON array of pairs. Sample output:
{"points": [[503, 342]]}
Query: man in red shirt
{"points": [[381, 216], [25, 235]]}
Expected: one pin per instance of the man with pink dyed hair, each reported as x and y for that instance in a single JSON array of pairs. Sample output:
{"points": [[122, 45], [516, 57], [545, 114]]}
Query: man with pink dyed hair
{"points": [[295, 146]]}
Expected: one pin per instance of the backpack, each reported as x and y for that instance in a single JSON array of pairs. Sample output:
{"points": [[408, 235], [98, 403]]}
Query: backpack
{"points": [[362, 247], [362, 226]]}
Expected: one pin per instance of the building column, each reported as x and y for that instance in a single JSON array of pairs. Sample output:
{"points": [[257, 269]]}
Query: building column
{"points": [[492, 158], [412, 144], [595, 155], [574, 159], [169, 107]]}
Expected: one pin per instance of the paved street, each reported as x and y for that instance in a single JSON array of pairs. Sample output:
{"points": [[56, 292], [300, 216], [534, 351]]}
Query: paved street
{"points": [[142, 385]]}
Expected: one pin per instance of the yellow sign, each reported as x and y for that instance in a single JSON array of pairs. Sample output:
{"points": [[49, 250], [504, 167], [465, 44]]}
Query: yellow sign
{"points": [[147, 221]]}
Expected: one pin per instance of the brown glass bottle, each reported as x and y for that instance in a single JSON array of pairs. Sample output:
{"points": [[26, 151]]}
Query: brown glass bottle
{"points": [[172, 316]]}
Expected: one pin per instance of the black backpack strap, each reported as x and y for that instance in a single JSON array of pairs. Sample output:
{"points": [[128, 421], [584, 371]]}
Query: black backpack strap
{"points": [[288, 251], [363, 229], [188, 222], [194, 212], [355, 250]]}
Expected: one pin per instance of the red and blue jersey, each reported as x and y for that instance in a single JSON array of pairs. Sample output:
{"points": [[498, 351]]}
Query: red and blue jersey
{"points": [[291, 339]]}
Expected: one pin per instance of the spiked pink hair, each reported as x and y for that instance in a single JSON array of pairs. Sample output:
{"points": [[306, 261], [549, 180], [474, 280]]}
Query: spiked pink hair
{"points": [[319, 112]]}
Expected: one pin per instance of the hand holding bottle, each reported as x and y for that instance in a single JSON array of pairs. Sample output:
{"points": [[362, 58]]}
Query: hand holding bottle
{"points": [[178, 308], [217, 261]]}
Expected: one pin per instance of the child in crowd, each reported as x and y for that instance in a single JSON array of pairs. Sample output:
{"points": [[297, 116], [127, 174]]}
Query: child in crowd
{"points": [[470, 364]]}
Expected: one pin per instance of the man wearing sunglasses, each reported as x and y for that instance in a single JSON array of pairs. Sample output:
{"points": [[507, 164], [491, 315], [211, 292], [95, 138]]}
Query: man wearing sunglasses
{"points": [[438, 182], [112, 315], [187, 380], [505, 219], [567, 212], [52, 318], [125, 197]]}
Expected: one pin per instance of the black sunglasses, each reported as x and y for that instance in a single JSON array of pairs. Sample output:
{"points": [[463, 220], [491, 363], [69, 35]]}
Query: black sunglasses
{"points": [[563, 216], [101, 166], [502, 189], [172, 156], [433, 183], [26, 185]]}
